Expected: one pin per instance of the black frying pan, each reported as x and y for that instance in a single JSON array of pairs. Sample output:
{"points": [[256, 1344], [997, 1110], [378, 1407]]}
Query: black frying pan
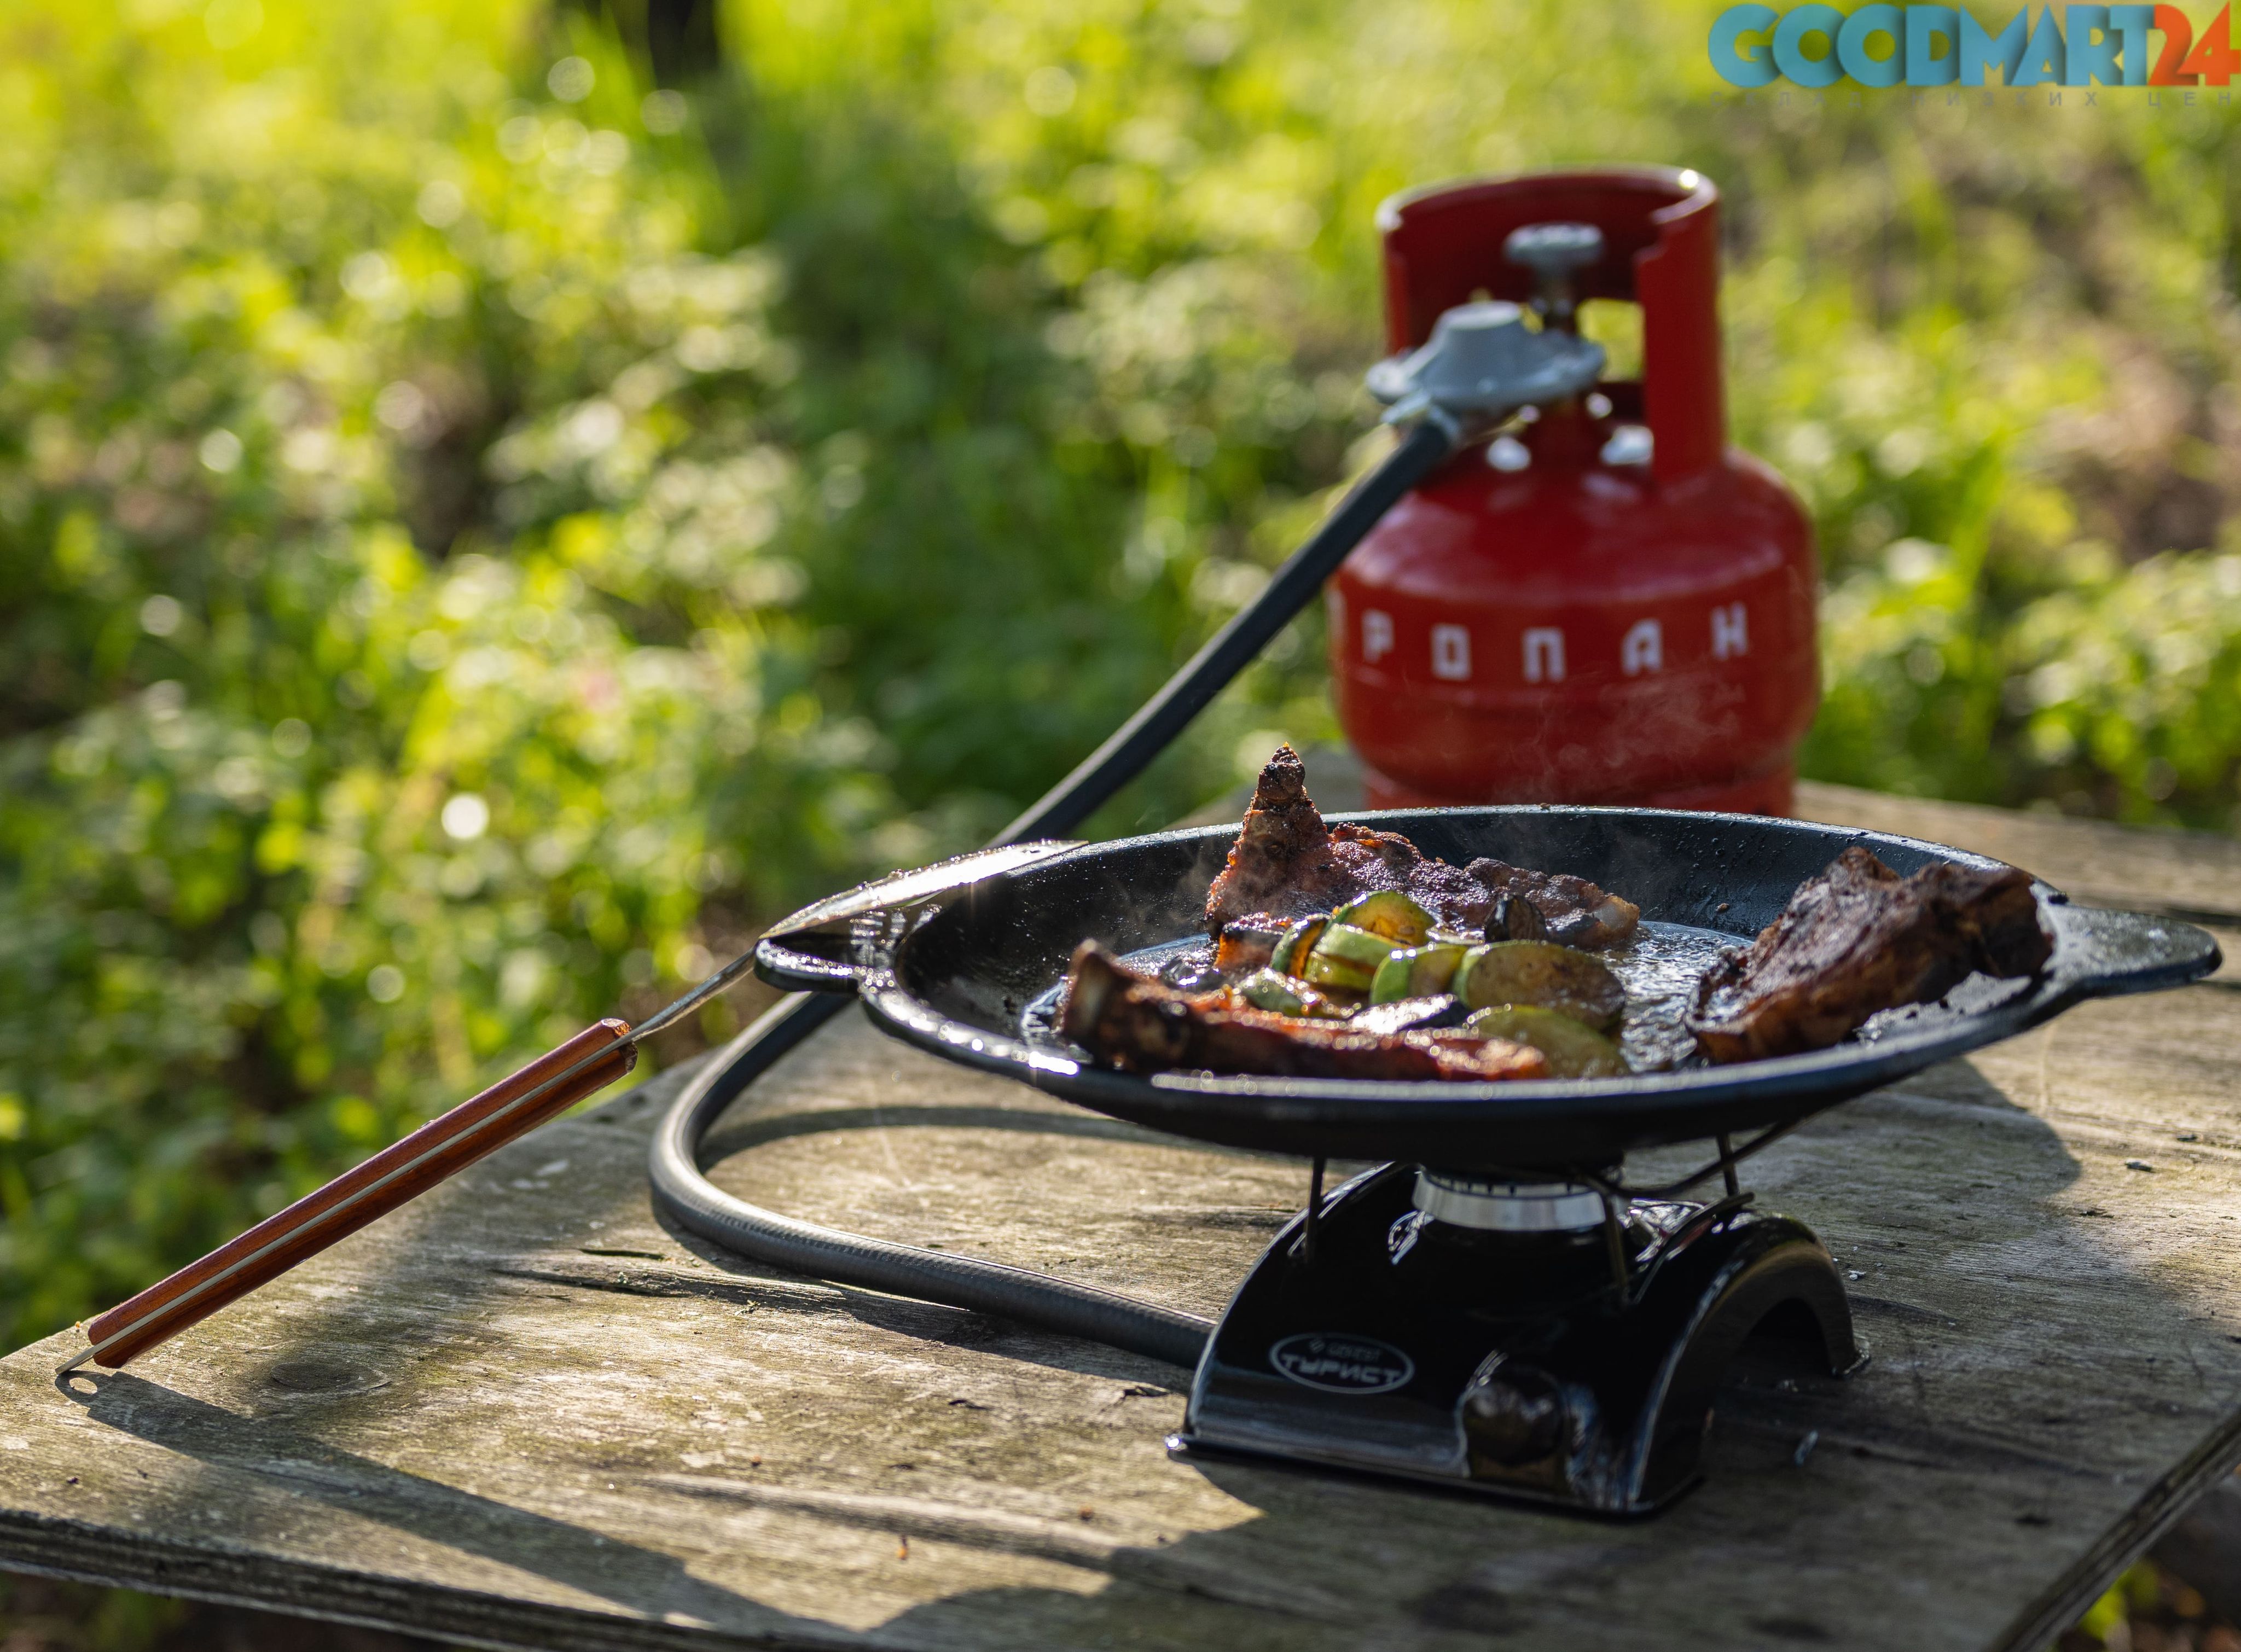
{"points": [[953, 971]]}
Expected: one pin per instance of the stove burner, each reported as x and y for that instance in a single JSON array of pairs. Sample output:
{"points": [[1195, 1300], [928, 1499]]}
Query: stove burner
{"points": [[1508, 1207], [1526, 1339]]}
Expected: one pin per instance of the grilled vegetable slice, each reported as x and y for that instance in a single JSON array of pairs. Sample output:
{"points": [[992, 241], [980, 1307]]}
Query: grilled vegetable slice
{"points": [[1337, 975], [1390, 914], [1290, 957], [1416, 971], [1575, 1050], [1542, 972], [1353, 946], [1270, 989], [1347, 957]]}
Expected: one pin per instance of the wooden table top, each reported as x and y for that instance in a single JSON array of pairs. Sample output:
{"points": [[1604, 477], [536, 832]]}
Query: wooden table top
{"points": [[524, 1413]]}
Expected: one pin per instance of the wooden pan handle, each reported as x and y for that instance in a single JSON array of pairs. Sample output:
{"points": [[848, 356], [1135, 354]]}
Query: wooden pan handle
{"points": [[393, 1176]]}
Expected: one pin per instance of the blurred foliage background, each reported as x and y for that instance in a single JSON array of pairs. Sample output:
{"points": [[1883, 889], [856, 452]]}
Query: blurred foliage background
{"points": [[495, 501]]}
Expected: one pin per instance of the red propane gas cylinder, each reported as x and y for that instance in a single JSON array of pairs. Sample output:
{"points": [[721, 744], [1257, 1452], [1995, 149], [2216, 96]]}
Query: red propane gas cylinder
{"points": [[1606, 604]]}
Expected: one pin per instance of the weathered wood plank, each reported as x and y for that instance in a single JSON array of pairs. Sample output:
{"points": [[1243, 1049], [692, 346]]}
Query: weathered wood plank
{"points": [[525, 1414]]}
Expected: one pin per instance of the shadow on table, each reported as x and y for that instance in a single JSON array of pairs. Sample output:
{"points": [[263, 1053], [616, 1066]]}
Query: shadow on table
{"points": [[629, 1576]]}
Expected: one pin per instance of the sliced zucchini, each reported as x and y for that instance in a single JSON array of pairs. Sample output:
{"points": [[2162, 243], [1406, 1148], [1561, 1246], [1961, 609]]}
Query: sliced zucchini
{"points": [[1336, 975], [1347, 958], [1541, 973], [1290, 957], [1354, 946], [1340, 974], [1268, 989], [1390, 983], [1390, 914], [1574, 1051], [1417, 972]]}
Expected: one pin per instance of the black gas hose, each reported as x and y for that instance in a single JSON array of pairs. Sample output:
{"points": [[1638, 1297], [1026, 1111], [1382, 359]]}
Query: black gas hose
{"points": [[966, 1281]]}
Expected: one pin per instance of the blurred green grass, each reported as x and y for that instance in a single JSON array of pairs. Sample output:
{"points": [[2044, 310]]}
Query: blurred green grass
{"points": [[478, 534]]}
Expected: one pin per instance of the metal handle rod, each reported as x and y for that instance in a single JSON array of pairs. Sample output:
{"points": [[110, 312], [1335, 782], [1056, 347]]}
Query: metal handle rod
{"points": [[398, 1173]]}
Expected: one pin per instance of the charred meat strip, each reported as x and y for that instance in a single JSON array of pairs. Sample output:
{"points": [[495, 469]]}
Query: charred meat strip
{"points": [[1287, 863], [1859, 939], [1141, 1026]]}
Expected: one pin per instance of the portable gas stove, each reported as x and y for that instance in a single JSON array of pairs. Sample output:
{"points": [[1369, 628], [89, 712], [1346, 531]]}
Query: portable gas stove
{"points": [[1538, 1340]]}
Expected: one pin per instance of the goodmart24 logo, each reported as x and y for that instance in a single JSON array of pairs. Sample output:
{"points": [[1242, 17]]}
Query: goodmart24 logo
{"points": [[1888, 46]]}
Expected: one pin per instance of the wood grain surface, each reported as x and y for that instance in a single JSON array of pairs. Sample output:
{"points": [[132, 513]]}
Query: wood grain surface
{"points": [[523, 1413]]}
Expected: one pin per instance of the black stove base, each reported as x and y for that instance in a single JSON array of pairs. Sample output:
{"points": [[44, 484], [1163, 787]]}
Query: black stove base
{"points": [[1507, 1363]]}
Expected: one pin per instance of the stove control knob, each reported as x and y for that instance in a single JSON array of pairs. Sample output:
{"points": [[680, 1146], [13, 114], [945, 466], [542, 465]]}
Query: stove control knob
{"points": [[1514, 1416]]}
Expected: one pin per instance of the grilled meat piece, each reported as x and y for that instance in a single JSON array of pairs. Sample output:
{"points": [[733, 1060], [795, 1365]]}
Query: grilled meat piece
{"points": [[1281, 862], [1514, 917], [1573, 911], [1859, 939], [1247, 943], [1285, 862], [1141, 1026]]}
